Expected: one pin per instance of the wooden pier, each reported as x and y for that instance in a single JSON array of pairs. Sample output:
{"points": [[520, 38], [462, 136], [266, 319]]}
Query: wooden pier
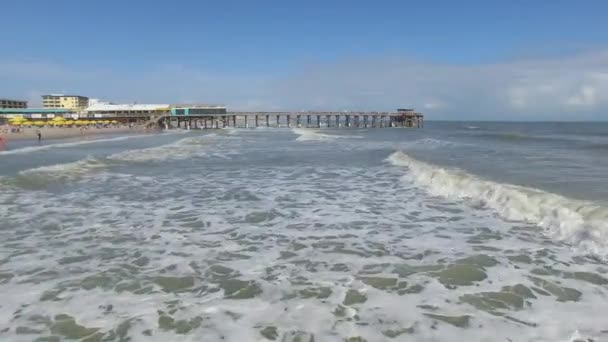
{"points": [[401, 118]]}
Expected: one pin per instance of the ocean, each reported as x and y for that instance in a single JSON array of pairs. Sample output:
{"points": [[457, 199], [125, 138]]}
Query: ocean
{"points": [[461, 231]]}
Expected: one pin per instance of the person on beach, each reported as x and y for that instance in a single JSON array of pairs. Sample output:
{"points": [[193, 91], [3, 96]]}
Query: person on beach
{"points": [[39, 134], [2, 143]]}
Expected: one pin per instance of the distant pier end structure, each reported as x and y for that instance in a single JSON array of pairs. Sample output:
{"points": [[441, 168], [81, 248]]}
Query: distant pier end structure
{"points": [[410, 118]]}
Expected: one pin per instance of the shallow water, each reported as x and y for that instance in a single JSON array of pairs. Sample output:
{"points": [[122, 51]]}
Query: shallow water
{"points": [[460, 231]]}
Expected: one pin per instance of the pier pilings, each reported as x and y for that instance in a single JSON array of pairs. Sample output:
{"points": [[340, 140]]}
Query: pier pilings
{"points": [[284, 119]]}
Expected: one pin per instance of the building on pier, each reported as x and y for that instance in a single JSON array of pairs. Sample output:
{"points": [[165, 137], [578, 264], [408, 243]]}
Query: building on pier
{"points": [[408, 118], [125, 111], [197, 110]]}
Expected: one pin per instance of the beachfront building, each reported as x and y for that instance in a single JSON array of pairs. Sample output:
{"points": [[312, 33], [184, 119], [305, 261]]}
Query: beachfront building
{"points": [[74, 102], [8, 103], [35, 113], [197, 110], [128, 111]]}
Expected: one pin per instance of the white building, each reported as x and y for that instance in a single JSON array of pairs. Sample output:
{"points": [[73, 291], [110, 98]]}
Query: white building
{"points": [[104, 109]]}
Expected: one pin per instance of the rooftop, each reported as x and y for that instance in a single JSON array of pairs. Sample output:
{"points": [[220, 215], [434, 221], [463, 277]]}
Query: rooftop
{"points": [[125, 107], [33, 110], [64, 95], [192, 105], [14, 100]]}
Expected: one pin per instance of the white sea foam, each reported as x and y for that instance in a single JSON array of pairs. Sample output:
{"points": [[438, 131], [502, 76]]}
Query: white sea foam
{"points": [[180, 149], [580, 223], [308, 134], [65, 171], [291, 230]]}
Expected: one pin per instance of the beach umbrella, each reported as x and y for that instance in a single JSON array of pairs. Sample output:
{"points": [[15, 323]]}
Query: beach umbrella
{"points": [[114, 121], [39, 123], [68, 122], [16, 120], [58, 119]]}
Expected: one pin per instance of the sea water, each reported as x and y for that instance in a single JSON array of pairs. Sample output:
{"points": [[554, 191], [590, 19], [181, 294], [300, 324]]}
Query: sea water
{"points": [[454, 232]]}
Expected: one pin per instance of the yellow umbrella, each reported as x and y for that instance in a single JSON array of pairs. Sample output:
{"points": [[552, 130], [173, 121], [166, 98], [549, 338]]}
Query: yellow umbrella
{"points": [[39, 123], [24, 123], [114, 121], [16, 119], [58, 119], [68, 122], [86, 122]]}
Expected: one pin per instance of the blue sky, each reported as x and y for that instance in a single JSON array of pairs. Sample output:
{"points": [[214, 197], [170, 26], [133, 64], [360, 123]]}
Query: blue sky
{"points": [[524, 60]]}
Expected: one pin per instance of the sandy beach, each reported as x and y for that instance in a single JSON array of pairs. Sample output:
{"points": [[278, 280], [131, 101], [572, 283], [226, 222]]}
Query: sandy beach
{"points": [[65, 132]]}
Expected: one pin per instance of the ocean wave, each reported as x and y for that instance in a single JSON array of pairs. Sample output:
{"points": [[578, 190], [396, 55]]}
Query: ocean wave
{"points": [[31, 149], [522, 137], [583, 224], [307, 134], [433, 143], [180, 149], [44, 175]]}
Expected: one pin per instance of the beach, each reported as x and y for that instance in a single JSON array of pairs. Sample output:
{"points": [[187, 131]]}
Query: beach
{"points": [[458, 232], [30, 133]]}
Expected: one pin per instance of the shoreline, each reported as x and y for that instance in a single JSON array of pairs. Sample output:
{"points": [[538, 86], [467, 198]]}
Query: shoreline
{"points": [[52, 133]]}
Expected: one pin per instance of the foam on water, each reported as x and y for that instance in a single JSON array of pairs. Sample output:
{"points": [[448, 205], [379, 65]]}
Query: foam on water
{"points": [[583, 224], [66, 171], [244, 250], [181, 149], [309, 134]]}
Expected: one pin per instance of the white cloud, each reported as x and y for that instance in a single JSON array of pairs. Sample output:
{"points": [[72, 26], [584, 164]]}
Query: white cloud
{"points": [[567, 87], [585, 97]]}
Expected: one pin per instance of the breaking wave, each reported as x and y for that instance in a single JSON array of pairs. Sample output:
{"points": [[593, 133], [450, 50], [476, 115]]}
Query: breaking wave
{"points": [[582, 224], [44, 175], [181, 149]]}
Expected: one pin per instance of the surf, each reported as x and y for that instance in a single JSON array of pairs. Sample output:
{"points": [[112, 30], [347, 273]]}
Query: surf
{"points": [[583, 224], [306, 134]]}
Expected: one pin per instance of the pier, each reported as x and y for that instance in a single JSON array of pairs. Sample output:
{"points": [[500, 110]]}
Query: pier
{"points": [[400, 118]]}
